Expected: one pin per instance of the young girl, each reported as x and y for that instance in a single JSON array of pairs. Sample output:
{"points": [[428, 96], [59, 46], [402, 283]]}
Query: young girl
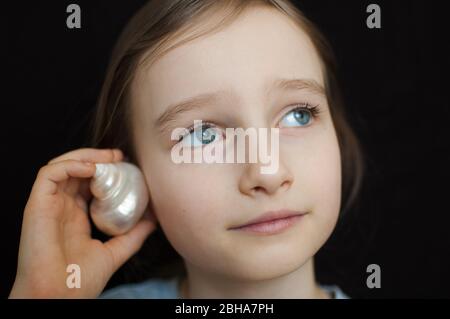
{"points": [[231, 64]]}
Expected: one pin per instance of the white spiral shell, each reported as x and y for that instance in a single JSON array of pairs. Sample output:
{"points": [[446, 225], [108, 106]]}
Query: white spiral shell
{"points": [[120, 197]]}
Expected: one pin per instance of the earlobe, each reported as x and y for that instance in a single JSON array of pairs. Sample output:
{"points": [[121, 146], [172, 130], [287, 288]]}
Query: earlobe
{"points": [[148, 214]]}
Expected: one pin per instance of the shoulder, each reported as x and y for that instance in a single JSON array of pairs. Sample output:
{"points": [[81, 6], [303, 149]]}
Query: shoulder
{"points": [[335, 291], [150, 289]]}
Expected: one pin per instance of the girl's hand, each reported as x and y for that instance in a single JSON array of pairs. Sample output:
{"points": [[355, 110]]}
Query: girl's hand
{"points": [[56, 232]]}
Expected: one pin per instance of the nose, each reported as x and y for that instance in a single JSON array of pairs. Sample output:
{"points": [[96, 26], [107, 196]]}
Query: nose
{"points": [[253, 183]]}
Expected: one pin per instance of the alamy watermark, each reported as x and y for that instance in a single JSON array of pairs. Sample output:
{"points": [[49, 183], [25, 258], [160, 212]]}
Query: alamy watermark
{"points": [[374, 279], [73, 280], [73, 20], [373, 21], [223, 150]]}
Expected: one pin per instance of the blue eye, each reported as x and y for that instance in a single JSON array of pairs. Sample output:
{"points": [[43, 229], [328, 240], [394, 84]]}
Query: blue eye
{"points": [[300, 116], [201, 136]]}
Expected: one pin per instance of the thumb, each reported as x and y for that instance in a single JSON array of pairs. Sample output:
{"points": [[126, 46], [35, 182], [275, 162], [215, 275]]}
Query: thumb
{"points": [[124, 246]]}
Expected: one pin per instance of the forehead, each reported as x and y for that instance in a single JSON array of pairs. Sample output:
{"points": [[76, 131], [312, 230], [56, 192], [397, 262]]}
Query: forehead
{"points": [[244, 58]]}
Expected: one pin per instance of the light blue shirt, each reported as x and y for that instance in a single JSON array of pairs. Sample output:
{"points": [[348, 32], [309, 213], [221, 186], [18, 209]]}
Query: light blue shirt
{"points": [[168, 289]]}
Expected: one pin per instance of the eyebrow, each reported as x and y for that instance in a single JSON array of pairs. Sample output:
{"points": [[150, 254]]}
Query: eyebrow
{"points": [[172, 112], [175, 110], [300, 84]]}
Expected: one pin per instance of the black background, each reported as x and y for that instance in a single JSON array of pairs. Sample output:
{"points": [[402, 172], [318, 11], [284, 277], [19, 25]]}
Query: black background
{"points": [[395, 86]]}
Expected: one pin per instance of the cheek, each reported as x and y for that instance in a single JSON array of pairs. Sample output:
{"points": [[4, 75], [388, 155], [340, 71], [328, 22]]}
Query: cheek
{"points": [[187, 200], [317, 170], [325, 179]]}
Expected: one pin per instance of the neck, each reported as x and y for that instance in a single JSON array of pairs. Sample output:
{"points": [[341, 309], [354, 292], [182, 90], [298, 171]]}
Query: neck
{"points": [[299, 284]]}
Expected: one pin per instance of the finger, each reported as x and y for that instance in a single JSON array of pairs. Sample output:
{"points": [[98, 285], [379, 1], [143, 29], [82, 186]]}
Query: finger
{"points": [[124, 246], [81, 203], [91, 155], [85, 189], [49, 176], [47, 231], [83, 186], [72, 186]]}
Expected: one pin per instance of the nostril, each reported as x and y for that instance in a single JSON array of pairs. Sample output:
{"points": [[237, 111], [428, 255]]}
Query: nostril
{"points": [[258, 189], [285, 184]]}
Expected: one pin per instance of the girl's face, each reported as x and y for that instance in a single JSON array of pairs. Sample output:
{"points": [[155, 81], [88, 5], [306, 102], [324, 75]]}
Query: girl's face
{"points": [[196, 204]]}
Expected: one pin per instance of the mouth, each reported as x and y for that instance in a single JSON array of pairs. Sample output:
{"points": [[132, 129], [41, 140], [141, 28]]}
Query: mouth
{"points": [[271, 222]]}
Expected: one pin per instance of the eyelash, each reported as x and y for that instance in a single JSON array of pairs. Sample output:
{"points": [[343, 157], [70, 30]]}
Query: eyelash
{"points": [[313, 109], [205, 124]]}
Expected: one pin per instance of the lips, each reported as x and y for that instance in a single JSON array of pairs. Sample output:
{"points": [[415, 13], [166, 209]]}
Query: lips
{"points": [[270, 216]]}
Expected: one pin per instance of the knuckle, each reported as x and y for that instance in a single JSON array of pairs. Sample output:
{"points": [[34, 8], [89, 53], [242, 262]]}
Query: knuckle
{"points": [[52, 160], [43, 170], [69, 155]]}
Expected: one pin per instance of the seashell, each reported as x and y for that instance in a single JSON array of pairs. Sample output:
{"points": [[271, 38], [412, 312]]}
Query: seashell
{"points": [[120, 197]]}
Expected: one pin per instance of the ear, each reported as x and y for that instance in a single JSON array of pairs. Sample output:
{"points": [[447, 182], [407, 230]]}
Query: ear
{"points": [[149, 214]]}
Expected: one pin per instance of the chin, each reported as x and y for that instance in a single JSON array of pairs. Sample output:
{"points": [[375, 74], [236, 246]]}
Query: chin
{"points": [[265, 266]]}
